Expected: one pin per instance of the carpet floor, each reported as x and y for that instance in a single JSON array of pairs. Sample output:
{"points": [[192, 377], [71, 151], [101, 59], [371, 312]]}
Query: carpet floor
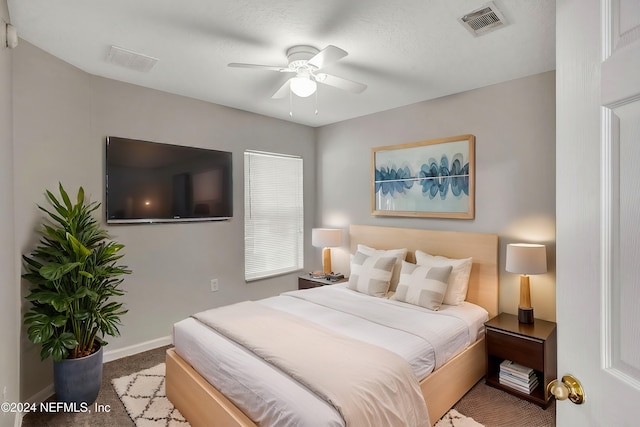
{"points": [[486, 405]]}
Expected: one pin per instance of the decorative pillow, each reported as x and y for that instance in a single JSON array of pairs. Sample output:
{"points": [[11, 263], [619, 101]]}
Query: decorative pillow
{"points": [[399, 254], [459, 279], [422, 285], [370, 274]]}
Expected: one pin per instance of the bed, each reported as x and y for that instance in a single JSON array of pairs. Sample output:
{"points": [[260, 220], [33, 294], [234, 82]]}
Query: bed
{"points": [[203, 405]]}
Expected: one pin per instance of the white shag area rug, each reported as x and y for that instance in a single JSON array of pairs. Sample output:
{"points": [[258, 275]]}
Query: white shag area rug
{"points": [[145, 400], [454, 418]]}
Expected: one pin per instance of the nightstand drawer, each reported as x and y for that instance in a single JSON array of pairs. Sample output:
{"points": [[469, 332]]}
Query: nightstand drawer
{"points": [[304, 283], [527, 351], [307, 282]]}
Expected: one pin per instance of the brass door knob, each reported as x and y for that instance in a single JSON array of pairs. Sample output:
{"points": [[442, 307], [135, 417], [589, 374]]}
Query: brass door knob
{"points": [[570, 388]]}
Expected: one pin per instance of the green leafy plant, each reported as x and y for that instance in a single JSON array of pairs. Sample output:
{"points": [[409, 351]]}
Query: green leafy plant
{"points": [[74, 275]]}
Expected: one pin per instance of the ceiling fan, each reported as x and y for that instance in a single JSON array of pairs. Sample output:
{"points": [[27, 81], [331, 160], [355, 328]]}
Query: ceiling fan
{"points": [[305, 62]]}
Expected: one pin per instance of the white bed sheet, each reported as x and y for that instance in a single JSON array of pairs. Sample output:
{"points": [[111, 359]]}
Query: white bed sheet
{"points": [[270, 397]]}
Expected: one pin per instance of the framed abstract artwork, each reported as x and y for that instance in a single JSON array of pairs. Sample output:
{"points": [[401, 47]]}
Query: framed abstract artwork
{"points": [[434, 179]]}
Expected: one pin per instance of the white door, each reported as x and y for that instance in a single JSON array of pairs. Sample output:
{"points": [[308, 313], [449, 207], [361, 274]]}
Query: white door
{"points": [[598, 208]]}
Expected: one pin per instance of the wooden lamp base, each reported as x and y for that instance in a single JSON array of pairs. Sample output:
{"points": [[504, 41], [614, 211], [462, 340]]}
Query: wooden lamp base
{"points": [[525, 311], [525, 315], [326, 261]]}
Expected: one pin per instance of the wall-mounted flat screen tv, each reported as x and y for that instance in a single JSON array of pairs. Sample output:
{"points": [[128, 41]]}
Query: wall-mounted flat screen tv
{"points": [[154, 182]]}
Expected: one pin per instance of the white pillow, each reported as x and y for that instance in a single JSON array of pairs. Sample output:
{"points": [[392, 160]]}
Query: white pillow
{"points": [[370, 274], [398, 254], [459, 278], [422, 285]]}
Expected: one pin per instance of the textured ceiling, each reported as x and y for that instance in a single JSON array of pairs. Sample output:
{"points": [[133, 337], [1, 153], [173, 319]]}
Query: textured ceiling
{"points": [[406, 51]]}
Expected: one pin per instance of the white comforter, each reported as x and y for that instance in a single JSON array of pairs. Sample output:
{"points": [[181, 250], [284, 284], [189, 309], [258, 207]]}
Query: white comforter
{"points": [[368, 385], [271, 398]]}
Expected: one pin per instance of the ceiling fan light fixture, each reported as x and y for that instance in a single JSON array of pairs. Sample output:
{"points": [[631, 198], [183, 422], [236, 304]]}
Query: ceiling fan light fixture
{"points": [[303, 86]]}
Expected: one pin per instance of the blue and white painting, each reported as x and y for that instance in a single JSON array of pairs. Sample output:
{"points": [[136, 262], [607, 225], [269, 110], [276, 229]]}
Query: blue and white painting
{"points": [[432, 178]]}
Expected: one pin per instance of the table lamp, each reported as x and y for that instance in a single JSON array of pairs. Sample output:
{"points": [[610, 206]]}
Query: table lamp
{"points": [[326, 238], [525, 259]]}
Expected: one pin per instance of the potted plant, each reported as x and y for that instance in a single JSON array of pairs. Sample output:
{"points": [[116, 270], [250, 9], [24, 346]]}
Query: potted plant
{"points": [[74, 274]]}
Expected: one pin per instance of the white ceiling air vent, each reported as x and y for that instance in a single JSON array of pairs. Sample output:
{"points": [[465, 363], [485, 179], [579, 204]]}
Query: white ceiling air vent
{"points": [[130, 59], [483, 20]]}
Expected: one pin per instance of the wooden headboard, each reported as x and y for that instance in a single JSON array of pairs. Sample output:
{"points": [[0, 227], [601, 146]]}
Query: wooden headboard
{"points": [[483, 248]]}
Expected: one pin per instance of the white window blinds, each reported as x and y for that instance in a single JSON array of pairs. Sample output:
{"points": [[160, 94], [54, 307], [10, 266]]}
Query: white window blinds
{"points": [[273, 214]]}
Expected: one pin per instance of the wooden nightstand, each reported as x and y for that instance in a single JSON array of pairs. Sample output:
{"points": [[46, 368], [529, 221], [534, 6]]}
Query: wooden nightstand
{"points": [[306, 282], [532, 345]]}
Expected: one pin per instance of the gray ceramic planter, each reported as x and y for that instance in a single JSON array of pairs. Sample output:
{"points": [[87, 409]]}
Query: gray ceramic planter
{"points": [[78, 380]]}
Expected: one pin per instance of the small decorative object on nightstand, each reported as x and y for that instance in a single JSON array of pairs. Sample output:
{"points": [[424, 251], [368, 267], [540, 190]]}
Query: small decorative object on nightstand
{"points": [[326, 238], [307, 281], [527, 351], [526, 259]]}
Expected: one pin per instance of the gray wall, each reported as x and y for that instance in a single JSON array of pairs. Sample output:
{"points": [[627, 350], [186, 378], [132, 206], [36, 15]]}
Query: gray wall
{"points": [[61, 118], [9, 295], [514, 126]]}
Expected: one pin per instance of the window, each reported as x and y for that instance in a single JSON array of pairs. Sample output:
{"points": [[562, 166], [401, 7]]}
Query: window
{"points": [[273, 214]]}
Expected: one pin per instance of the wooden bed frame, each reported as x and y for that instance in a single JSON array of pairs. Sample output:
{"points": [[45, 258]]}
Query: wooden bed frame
{"points": [[203, 405]]}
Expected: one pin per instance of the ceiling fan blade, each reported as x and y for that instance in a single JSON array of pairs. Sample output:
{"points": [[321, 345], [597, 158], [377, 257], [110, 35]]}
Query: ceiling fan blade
{"points": [[326, 56], [283, 90], [341, 83], [260, 67]]}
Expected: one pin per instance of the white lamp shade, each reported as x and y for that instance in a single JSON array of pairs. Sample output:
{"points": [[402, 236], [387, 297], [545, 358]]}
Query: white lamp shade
{"points": [[303, 86], [326, 237], [526, 258]]}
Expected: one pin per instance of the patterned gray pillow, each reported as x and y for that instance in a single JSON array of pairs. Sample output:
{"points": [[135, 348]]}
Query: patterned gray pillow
{"points": [[422, 285], [371, 274], [398, 254]]}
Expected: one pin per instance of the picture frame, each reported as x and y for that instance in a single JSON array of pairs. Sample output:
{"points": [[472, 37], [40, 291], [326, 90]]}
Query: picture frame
{"points": [[431, 179]]}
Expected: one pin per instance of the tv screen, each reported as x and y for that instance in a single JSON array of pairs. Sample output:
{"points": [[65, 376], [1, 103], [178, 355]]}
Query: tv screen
{"points": [[153, 182]]}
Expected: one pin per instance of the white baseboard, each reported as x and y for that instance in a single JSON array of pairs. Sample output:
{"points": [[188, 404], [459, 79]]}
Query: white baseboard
{"points": [[111, 355], [18, 420], [37, 398], [108, 356], [42, 395]]}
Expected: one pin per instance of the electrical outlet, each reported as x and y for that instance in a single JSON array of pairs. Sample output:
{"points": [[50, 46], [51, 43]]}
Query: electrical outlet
{"points": [[214, 285]]}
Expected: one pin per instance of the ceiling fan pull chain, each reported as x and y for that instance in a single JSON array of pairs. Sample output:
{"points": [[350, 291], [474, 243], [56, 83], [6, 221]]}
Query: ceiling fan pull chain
{"points": [[316, 102], [290, 104]]}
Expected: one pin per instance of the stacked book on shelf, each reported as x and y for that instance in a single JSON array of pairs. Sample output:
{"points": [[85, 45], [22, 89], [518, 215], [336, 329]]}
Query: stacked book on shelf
{"points": [[517, 376]]}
